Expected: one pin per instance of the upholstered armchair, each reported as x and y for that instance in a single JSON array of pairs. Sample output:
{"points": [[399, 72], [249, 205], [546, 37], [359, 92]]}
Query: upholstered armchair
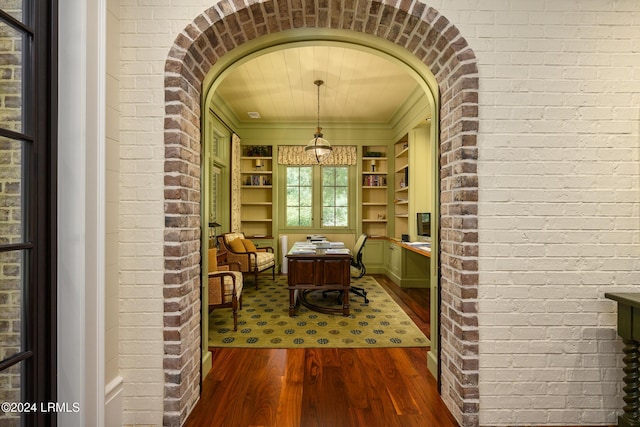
{"points": [[225, 286], [252, 260]]}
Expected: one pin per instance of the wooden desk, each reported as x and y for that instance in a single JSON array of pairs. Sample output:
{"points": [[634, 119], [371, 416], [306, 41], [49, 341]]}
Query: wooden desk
{"points": [[629, 331], [318, 272]]}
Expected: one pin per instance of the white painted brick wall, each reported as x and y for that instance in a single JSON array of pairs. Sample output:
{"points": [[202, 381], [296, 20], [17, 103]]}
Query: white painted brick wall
{"points": [[559, 200], [559, 178], [145, 40]]}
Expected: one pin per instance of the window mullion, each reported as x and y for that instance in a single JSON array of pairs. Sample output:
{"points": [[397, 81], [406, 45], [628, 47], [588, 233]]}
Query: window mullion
{"points": [[317, 196]]}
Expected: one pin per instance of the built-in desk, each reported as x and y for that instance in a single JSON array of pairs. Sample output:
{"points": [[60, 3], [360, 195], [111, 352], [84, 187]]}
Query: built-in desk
{"points": [[418, 249], [629, 331], [405, 264], [408, 265]]}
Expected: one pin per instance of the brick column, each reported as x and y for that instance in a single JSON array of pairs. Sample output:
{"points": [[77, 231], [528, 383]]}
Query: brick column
{"points": [[409, 24]]}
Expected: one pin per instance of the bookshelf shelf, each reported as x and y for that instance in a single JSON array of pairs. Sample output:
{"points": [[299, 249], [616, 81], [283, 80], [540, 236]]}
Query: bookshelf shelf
{"points": [[374, 180]]}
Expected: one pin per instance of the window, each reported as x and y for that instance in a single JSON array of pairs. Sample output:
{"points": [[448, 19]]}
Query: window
{"points": [[329, 201], [27, 216], [335, 196], [299, 196]]}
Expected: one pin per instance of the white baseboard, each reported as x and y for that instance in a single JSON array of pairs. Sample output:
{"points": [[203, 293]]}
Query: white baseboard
{"points": [[113, 403]]}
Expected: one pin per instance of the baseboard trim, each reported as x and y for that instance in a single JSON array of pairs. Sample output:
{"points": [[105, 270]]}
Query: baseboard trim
{"points": [[113, 402], [207, 364], [432, 363]]}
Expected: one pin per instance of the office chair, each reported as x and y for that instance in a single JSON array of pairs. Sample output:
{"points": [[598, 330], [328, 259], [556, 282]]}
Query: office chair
{"points": [[357, 270]]}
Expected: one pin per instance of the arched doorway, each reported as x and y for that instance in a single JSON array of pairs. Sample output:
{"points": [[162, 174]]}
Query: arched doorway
{"points": [[430, 39]]}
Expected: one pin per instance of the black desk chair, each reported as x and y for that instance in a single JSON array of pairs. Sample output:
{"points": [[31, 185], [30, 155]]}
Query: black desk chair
{"points": [[357, 269]]}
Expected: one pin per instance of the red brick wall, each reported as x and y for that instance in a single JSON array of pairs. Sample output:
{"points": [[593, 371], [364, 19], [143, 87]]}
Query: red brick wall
{"points": [[409, 24], [11, 205]]}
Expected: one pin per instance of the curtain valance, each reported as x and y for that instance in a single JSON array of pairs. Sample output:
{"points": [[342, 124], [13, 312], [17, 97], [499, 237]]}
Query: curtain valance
{"points": [[341, 155]]}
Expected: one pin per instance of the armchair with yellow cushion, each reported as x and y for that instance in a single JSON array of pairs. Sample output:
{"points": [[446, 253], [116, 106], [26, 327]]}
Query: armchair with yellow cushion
{"points": [[225, 286], [252, 260]]}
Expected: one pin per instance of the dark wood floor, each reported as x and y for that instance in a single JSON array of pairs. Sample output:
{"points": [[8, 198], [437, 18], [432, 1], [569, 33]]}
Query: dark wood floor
{"points": [[414, 301], [325, 387]]}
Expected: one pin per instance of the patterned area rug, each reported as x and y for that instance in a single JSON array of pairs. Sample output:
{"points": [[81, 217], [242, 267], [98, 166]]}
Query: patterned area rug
{"points": [[264, 320]]}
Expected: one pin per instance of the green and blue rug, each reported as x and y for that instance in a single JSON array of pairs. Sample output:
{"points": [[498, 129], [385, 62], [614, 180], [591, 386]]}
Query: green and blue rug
{"points": [[264, 321]]}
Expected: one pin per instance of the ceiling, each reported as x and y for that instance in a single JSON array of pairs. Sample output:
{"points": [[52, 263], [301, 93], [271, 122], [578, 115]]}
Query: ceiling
{"points": [[358, 86]]}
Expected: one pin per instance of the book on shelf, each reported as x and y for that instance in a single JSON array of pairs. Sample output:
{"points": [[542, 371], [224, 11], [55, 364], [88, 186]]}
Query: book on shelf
{"points": [[258, 180], [374, 181]]}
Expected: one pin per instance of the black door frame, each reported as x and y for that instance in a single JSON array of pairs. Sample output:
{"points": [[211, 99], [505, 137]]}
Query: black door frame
{"points": [[37, 24]]}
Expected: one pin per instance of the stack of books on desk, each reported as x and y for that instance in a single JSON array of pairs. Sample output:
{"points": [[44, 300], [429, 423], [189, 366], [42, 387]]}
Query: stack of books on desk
{"points": [[303, 249], [337, 251], [336, 245]]}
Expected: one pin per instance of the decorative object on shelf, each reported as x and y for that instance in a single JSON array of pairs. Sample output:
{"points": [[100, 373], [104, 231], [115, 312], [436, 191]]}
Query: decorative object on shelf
{"points": [[318, 148], [259, 164], [257, 151], [373, 154], [373, 165]]}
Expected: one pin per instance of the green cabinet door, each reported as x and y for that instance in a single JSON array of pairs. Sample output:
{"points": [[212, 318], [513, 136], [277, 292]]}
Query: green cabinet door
{"points": [[394, 263], [373, 256]]}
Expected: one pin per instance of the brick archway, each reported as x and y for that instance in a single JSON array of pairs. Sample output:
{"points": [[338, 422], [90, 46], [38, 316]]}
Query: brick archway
{"points": [[412, 25]]}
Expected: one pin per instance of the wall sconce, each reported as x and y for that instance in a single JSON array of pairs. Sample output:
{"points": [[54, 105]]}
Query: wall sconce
{"points": [[373, 165], [259, 164]]}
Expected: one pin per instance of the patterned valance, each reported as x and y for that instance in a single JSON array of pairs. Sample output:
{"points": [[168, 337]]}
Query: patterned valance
{"points": [[342, 155]]}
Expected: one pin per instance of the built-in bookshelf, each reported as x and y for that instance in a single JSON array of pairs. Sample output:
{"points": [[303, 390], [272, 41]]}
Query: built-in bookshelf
{"points": [[375, 190], [401, 187], [256, 170]]}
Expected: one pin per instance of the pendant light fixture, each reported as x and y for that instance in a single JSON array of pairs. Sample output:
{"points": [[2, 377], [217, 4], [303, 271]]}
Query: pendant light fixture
{"points": [[318, 148]]}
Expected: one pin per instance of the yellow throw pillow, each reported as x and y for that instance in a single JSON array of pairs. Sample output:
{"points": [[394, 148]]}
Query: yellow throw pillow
{"points": [[249, 246], [213, 260], [236, 245]]}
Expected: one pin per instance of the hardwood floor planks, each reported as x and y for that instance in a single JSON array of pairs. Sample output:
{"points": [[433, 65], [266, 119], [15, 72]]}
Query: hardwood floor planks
{"points": [[289, 410], [392, 380], [323, 387], [323, 399], [354, 379], [265, 397], [414, 301]]}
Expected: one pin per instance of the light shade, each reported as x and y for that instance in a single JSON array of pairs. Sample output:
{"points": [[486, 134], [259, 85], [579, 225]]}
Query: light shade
{"points": [[318, 148]]}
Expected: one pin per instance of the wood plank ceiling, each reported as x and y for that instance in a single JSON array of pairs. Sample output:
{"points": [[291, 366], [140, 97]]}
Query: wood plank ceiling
{"points": [[358, 86]]}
